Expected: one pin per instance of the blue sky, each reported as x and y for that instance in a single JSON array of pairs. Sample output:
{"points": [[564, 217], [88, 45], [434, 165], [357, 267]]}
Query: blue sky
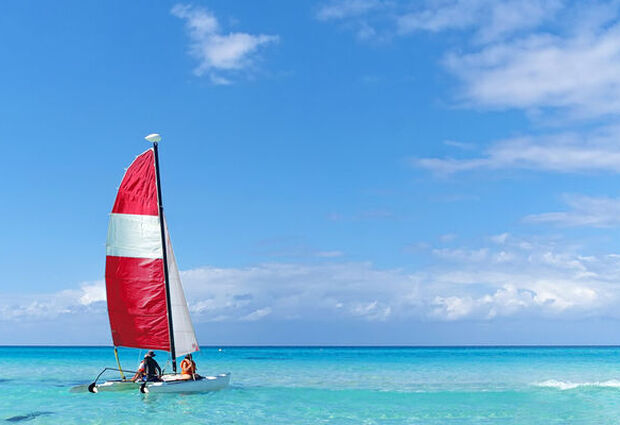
{"points": [[334, 172]]}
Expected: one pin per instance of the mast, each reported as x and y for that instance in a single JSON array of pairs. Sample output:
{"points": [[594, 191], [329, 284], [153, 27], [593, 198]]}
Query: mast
{"points": [[165, 258]]}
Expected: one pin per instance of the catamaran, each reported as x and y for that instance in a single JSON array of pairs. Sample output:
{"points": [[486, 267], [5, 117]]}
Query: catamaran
{"points": [[146, 304]]}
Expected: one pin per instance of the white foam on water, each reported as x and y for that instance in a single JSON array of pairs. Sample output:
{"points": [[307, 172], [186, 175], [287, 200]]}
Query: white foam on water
{"points": [[567, 385]]}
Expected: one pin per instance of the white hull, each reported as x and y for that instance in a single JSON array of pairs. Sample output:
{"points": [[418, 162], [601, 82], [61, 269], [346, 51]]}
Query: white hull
{"points": [[169, 385], [117, 386], [206, 384]]}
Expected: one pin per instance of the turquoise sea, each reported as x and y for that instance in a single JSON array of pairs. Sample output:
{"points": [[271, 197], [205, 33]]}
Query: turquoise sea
{"points": [[313, 385]]}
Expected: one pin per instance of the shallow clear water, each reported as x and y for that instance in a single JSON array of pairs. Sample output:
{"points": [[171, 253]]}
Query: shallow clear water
{"points": [[563, 385]]}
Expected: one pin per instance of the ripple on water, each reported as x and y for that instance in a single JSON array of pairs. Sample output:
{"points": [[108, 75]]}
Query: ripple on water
{"points": [[27, 417]]}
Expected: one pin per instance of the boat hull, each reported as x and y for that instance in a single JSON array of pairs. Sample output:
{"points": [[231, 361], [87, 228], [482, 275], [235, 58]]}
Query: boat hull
{"points": [[117, 386], [205, 384]]}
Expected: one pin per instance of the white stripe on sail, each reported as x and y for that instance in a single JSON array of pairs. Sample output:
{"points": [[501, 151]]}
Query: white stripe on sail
{"points": [[132, 235], [183, 330]]}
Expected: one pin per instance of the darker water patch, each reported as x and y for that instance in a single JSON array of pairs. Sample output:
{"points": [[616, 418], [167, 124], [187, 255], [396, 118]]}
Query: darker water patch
{"points": [[3, 380], [80, 382], [69, 383], [28, 417], [64, 384]]}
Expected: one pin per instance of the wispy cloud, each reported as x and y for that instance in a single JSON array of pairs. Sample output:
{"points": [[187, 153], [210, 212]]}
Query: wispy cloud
{"points": [[500, 239], [569, 152], [448, 237], [530, 54], [462, 254], [342, 9], [510, 277], [89, 297], [220, 55], [545, 71], [516, 62], [460, 145], [523, 54], [256, 315], [344, 290], [490, 19], [585, 211], [360, 16], [329, 254]]}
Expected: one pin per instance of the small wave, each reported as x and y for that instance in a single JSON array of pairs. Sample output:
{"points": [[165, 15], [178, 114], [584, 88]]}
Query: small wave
{"points": [[567, 385]]}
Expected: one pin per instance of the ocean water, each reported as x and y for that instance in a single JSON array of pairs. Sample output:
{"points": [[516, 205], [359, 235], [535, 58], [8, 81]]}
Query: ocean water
{"points": [[494, 385]]}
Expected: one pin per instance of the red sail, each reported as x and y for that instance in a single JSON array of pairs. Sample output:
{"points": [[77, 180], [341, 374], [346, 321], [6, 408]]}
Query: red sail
{"points": [[134, 267]]}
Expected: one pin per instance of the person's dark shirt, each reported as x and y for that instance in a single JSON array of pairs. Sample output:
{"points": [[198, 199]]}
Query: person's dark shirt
{"points": [[151, 368]]}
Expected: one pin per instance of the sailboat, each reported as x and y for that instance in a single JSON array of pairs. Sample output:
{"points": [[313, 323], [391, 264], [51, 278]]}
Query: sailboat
{"points": [[146, 303]]}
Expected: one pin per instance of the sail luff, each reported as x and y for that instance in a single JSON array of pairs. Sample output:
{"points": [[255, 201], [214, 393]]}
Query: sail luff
{"points": [[165, 262]]}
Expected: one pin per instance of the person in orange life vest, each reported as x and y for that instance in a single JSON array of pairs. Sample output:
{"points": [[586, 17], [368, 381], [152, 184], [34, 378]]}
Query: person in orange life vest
{"points": [[148, 370], [188, 368]]}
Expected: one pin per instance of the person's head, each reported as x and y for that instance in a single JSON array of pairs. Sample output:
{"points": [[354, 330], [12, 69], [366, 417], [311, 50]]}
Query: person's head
{"points": [[188, 356], [149, 353]]}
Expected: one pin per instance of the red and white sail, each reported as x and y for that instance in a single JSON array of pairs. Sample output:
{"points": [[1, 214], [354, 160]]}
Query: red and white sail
{"points": [[135, 284]]}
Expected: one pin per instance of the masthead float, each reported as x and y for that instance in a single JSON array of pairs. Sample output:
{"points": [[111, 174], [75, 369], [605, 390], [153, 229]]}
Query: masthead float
{"points": [[146, 303]]}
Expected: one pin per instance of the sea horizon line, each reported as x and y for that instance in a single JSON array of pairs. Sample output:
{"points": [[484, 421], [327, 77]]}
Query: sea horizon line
{"points": [[422, 346]]}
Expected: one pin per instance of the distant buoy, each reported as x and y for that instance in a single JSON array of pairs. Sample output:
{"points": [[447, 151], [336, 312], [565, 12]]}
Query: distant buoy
{"points": [[219, 349]]}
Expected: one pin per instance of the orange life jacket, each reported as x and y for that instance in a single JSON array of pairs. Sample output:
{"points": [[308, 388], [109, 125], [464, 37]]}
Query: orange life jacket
{"points": [[188, 367]]}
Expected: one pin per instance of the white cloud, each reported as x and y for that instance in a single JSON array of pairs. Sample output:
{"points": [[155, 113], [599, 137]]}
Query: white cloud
{"points": [[488, 19], [569, 69], [452, 308], [517, 278], [219, 55], [462, 254], [579, 73], [371, 311], [491, 19], [88, 298], [347, 9], [329, 254], [501, 238], [547, 297], [572, 64], [92, 293], [256, 315], [363, 17], [569, 152], [460, 145], [533, 55], [585, 211], [295, 290], [448, 237]]}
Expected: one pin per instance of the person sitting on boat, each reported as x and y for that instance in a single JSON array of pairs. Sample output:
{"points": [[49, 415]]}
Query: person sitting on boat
{"points": [[188, 368], [149, 369]]}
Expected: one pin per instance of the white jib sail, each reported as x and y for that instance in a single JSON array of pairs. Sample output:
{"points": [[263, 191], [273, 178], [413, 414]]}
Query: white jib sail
{"points": [[183, 330]]}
